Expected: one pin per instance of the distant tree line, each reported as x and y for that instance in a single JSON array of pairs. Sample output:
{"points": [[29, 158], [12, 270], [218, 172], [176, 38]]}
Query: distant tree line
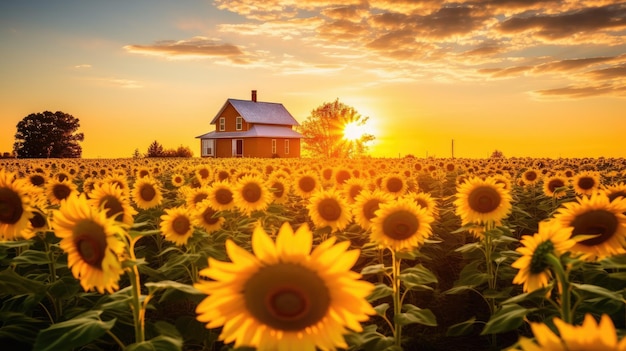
{"points": [[157, 150], [48, 135]]}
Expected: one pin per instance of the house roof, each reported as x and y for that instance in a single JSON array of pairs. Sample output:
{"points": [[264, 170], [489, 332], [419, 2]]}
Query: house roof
{"points": [[259, 112], [257, 130]]}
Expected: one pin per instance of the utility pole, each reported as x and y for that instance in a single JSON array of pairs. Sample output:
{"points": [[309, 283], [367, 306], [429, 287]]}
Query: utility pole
{"points": [[452, 148]]}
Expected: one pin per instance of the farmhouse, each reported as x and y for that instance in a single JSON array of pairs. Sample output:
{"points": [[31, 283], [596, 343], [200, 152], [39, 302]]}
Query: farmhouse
{"points": [[250, 128]]}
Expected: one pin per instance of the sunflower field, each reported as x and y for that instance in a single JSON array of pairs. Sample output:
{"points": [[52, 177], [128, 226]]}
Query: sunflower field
{"points": [[306, 254]]}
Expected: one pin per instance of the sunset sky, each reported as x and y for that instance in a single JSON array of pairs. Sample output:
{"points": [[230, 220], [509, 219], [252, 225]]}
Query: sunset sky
{"points": [[534, 78]]}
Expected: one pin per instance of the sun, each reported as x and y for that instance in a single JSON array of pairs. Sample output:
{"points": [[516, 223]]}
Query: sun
{"points": [[353, 131]]}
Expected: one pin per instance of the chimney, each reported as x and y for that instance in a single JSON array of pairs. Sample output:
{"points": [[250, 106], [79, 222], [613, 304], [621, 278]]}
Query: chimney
{"points": [[254, 95]]}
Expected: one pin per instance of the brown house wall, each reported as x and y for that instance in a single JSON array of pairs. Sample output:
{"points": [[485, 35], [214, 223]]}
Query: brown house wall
{"points": [[258, 147], [231, 120]]}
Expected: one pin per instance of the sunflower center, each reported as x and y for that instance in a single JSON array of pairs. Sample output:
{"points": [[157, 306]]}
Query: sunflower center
{"points": [[306, 184], [327, 173], [600, 222], [538, 262], [199, 197], [61, 191], [617, 194], [113, 206], [421, 203], [207, 216], [143, 173], [484, 199], [370, 207], [251, 192], [37, 180], [181, 225], [531, 175], [223, 175], [586, 183], [11, 209], [329, 209], [394, 185], [400, 225], [287, 296], [147, 192], [555, 184], [90, 242], [355, 190], [37, 220], [279, 189], [342, 176], [204, 173], [223, 196]]}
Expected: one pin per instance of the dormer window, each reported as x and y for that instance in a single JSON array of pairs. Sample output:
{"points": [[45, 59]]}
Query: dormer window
{"points": [[239, 123], [222, 124]]}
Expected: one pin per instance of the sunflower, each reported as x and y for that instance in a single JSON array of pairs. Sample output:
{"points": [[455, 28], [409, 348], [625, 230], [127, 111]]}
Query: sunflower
{"points": [[285, 297], [109, 197], [146, 193], [586, 183], [531, 176], [341, 175], [426, 201], [196, 195], [352, 188], [206, 217], [280, 189], [221, 196], [614, 191], [177, 225], [401, 225], [203, 174], [251, 194], [329, 208], [92, 241], [177, 180], [15, 206], [305, 184], [143, 172], [37, 179], [394, 185], [37, 223], [58, 191], [482, 201], [553, 186], [591, 335], [366, 204], [119, 180], [551, 238], [596, 215]]}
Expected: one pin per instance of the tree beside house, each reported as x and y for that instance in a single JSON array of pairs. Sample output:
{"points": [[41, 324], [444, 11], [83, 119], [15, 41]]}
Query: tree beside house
{"points": [[251, 128]]}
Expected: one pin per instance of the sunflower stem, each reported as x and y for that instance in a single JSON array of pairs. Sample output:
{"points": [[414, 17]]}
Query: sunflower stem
{"points": [[136, 305], [564, 287], [397, 303]]}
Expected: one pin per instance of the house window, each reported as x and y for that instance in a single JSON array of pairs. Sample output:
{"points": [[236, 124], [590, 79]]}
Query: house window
{"points": [[286, 146], [208, 147], [222, 124], [239, 123], [273, 146]]}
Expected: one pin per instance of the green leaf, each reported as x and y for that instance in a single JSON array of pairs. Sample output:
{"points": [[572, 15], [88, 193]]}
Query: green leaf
{"points": [[417, 277], [73, 333], [31, 257], [598, 290], [415, 315], [170, 284], [462, 328], [508, 318], [12, 283], [459, 289], [373, 269], [381, 309], [380, 291], [468, 247], [160, 343]]}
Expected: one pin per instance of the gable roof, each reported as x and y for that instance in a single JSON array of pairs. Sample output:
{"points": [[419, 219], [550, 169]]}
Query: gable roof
{"points": [[259, 112], [258, 130]]}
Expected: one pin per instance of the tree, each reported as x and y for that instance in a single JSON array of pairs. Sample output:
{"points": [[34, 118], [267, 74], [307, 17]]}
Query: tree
{"points": [[47, 134], [155, 150], [323, 132], [497, 154]]}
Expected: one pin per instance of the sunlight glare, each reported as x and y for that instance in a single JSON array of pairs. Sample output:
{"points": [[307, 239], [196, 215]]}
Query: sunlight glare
{"points": [[353, 131]]}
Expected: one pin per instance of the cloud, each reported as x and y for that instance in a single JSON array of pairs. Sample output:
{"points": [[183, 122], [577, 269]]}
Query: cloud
{"points": [[573, 44], [82, 66], [194, 48]]}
